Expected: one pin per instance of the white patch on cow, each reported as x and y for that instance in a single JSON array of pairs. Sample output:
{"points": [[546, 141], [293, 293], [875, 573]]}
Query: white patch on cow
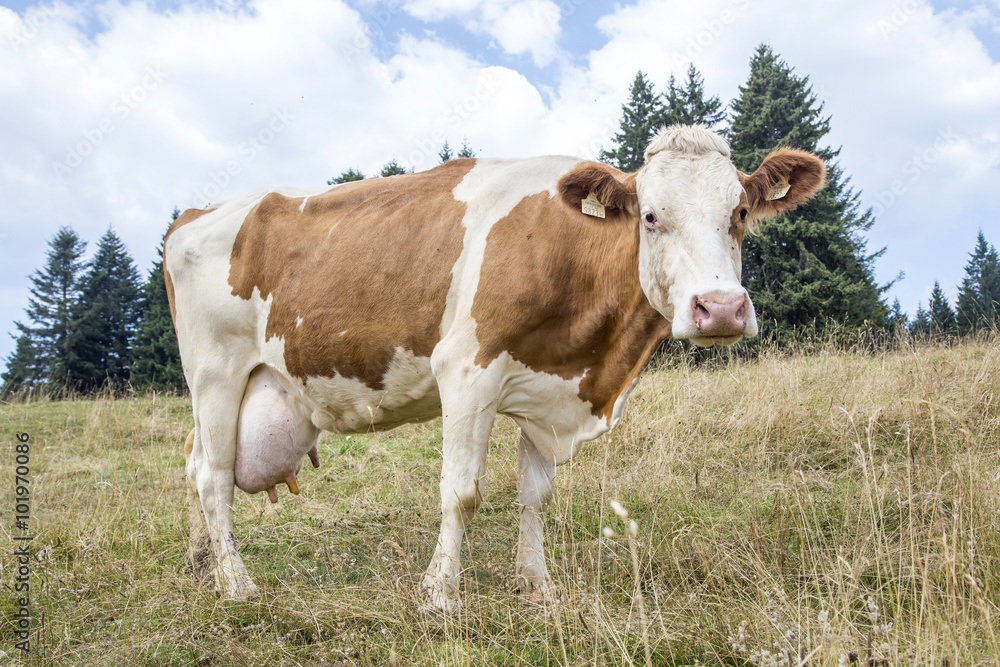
{"points": [[302, 208], [619, 407], [491, 190], [342, 332], [298, 321], [347, 405], [548, 409]]}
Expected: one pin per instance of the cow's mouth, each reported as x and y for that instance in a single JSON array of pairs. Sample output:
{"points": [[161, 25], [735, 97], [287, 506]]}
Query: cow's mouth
{"points": [[721, 341]]}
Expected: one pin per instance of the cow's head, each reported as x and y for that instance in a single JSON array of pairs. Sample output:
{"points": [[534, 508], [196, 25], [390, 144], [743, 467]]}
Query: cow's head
{"points": [[692, 207]]}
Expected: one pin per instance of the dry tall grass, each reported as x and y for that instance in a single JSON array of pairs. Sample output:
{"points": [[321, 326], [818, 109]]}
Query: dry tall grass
{"points": [[831, 509]]}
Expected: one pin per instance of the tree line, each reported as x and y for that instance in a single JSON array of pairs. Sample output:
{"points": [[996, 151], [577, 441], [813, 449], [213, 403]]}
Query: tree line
{"points": [[978, 305], [93, 324]]}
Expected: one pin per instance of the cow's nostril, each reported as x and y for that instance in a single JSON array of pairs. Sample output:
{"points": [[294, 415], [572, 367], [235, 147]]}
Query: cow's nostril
{"points": [[701, 313]]}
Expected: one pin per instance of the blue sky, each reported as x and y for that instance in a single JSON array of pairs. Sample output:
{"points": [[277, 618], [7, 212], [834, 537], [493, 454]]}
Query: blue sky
{"points": [[176, 104]]}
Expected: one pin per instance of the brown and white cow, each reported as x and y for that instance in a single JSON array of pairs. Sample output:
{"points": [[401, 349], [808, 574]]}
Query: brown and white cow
{"points": [[474, 289]]}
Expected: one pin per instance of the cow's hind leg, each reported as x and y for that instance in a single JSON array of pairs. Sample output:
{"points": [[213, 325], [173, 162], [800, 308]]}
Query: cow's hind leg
{"points": [[210, 466], [199, 556], [534, 486]]}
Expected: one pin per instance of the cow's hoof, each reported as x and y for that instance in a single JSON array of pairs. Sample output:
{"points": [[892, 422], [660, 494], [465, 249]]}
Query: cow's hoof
{"points": [[542, 594], [239, 591], [201, 563], [437, 604]]}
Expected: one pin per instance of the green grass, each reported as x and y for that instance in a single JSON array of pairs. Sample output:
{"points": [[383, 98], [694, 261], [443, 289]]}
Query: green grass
{"points": [[777, 504]]}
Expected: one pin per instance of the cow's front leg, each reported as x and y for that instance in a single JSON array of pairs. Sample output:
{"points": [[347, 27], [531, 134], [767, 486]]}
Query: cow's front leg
{"points": [[466, 440], [534, 488]]}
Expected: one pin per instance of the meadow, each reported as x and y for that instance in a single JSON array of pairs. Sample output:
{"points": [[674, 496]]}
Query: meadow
{"points": [[835, 508]]}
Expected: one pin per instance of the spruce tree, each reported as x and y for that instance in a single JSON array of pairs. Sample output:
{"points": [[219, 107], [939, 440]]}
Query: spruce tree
{"points": [[24, 370], [898, 321], [808, 268], [641, 117], [687, 104], [106, 318], [445, 153], [43, 355], [921, 322], [979, 294], [466, 150], [157, 361], [392, 168], [942, 317], [351, 174]]}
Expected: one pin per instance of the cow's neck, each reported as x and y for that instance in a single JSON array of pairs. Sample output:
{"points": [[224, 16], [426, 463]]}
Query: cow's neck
{"points": [[562, 296], [631, 335]]}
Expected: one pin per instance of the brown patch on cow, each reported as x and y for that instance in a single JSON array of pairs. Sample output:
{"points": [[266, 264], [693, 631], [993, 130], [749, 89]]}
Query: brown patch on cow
{"points": [[803, 171], [371, 259], [184, 218], [560, 292], [613, 188]]}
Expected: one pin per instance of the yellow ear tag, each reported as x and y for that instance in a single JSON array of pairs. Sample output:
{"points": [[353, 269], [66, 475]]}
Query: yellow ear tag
{"points": [[779, 191], [592, 207]]}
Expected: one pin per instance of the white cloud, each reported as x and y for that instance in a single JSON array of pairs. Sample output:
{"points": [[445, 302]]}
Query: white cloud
{"points": [[517, 26]]}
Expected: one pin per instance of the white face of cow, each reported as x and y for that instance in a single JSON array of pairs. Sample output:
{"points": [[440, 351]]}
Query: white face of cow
{"points": [[689, 245], [693, 207]]}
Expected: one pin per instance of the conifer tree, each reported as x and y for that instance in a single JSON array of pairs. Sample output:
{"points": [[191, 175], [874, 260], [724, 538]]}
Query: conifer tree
{"points": [[898, 321], [351, 174], [392, 168], [641, 117], [921, 322], [24, 370], [942, 317], [43, 356], [808, 267], [687, 104], [106, 318], [157, 362], [445, 153], [466, 150], [979, 294]]}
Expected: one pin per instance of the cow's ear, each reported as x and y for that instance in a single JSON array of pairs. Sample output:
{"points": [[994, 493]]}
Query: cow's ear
{"points": [[615, 190], [786, 178]]}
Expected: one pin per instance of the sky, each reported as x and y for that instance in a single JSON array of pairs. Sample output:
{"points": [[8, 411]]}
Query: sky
{"points": [[114, 113]]}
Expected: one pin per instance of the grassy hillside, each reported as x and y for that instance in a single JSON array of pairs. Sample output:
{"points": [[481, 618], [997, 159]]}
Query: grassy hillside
{"points": [[832, 509]]}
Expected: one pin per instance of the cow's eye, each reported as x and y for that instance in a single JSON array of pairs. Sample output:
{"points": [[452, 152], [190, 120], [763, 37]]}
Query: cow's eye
{"points": [[743, 214], [650, 218]]}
